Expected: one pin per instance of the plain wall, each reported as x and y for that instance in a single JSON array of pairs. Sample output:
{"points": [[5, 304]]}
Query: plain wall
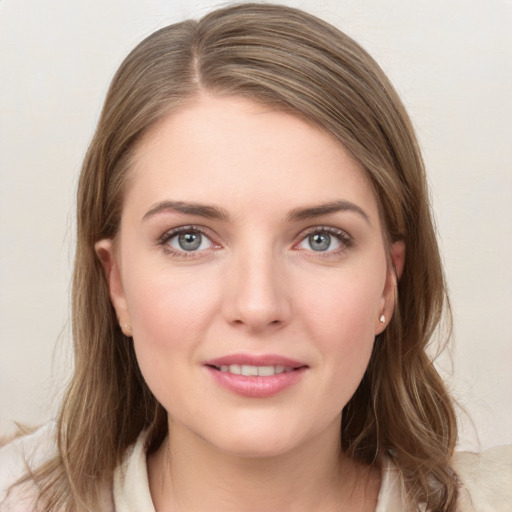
{"points": [[450, 60]]}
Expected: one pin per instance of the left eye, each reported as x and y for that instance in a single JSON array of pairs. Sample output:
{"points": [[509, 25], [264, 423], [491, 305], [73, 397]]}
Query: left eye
{"points": [[323, 241], [189, 241]]}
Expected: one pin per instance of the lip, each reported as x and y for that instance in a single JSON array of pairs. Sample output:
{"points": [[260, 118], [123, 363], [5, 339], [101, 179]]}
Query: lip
{"points": [[255, 360], [256, 386]]}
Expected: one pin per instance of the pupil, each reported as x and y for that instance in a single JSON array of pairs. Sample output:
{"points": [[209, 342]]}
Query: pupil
{"points": [[320, 242], [189, 241]]}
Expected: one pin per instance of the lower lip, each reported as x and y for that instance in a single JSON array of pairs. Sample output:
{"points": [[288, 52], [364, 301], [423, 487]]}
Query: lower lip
{"points": [[254, 386]]}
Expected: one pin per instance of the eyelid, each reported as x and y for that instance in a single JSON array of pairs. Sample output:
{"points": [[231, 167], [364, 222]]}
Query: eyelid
{"points": [[173, 232], [341, 235]]}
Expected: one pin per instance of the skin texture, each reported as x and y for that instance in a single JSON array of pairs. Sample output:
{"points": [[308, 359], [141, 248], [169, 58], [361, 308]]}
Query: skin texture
{"points": [[255, 286]]}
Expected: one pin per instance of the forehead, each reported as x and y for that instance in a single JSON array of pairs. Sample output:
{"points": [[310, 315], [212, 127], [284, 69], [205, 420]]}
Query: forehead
{"points": [[237, 152]]}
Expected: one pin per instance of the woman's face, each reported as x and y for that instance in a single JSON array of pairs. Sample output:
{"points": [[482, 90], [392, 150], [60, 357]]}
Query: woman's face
{"points": [[251, 267]]}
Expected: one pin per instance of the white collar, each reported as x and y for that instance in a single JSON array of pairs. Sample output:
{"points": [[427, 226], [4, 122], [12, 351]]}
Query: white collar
{"points": [[131, 486]]}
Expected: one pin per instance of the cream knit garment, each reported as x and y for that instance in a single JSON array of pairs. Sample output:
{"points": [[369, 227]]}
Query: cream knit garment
{"points": [[486, 478]]}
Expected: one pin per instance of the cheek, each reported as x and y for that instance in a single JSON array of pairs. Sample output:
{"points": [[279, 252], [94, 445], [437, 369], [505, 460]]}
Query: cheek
{"points": [[167, 311], [340, 316], [170, 314], [347, 304]]}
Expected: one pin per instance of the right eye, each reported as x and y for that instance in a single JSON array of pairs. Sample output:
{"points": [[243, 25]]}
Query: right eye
{"points": [[190, 241], [186, 241]]}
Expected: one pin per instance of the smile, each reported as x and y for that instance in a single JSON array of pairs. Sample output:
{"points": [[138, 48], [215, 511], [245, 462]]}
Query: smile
{"points": [[256, 376], [253, 371]]}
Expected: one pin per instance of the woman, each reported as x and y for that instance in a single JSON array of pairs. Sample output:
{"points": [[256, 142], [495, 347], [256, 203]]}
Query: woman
{"points": [[256, 281]]}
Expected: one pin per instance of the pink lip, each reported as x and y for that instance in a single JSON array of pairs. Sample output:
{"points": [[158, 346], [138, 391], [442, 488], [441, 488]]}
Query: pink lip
{"points": [[255, 360], [256, 386]]}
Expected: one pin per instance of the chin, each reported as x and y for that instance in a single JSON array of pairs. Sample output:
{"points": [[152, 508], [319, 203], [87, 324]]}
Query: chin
{"points": [[259, 439]]}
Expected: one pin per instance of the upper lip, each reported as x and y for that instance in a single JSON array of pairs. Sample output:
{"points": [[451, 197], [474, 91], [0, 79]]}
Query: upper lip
{"points": [[255, 360]]}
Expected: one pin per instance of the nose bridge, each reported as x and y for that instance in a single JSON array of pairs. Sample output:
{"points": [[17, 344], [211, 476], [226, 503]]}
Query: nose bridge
{"points": [[257, 296]]}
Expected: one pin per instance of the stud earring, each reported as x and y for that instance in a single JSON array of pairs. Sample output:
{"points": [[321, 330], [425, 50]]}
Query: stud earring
{"points": [[382, 319]]}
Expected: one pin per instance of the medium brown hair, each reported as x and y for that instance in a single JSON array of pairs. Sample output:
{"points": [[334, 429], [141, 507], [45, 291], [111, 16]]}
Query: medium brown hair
{"points": [[295, 63]]}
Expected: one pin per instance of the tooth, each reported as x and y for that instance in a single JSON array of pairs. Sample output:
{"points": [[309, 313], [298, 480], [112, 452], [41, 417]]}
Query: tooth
{"points": [[265, 371], [249, 371], [252, 371], [235, 368]]}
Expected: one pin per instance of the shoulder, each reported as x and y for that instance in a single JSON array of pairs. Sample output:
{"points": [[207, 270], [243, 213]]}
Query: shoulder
{"points": [[486, 479], [20, 456], [485, 482]]}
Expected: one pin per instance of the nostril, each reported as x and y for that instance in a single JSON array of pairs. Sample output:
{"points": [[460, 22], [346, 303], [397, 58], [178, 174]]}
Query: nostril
{"points": [[252, 324]]}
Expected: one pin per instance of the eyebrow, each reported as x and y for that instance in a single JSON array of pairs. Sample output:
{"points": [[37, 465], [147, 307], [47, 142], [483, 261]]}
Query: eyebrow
{"points": [[326, 209], [201, 210], [217, 213]]}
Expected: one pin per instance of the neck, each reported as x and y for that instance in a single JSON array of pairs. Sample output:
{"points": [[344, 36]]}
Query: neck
{"points": [[189, 474]]}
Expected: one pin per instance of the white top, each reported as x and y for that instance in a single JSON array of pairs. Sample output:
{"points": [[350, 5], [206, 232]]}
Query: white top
{"points": [[486, 478]]}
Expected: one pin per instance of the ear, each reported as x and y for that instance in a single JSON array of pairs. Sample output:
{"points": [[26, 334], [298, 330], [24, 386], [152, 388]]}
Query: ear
{"points": [[105, 250], [398, 258], [393, 275]]}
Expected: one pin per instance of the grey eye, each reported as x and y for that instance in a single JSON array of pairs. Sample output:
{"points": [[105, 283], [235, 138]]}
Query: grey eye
{"points": [[190, 241], [319, 241]]}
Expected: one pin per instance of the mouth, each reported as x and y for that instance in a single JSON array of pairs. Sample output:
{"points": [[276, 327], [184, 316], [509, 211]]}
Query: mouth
{"points": [[254, 371], [255, 365], [256, 376]]}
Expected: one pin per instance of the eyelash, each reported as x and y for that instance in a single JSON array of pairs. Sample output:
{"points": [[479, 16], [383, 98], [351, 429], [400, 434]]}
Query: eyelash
{"points": [[346, 241], [341, 236], [169, 235]]}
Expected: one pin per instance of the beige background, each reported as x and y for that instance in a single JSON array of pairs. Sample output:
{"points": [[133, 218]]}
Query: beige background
{"points": [[450, 59]]}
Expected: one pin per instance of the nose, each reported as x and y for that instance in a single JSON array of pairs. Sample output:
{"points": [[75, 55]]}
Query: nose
{"points": [[257, 296]]}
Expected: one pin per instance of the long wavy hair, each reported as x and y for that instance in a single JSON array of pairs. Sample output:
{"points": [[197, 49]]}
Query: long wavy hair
{"points": [[293, 62]]}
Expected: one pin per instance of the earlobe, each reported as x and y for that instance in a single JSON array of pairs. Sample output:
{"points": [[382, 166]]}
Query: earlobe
{"points": [[106, 254]]}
